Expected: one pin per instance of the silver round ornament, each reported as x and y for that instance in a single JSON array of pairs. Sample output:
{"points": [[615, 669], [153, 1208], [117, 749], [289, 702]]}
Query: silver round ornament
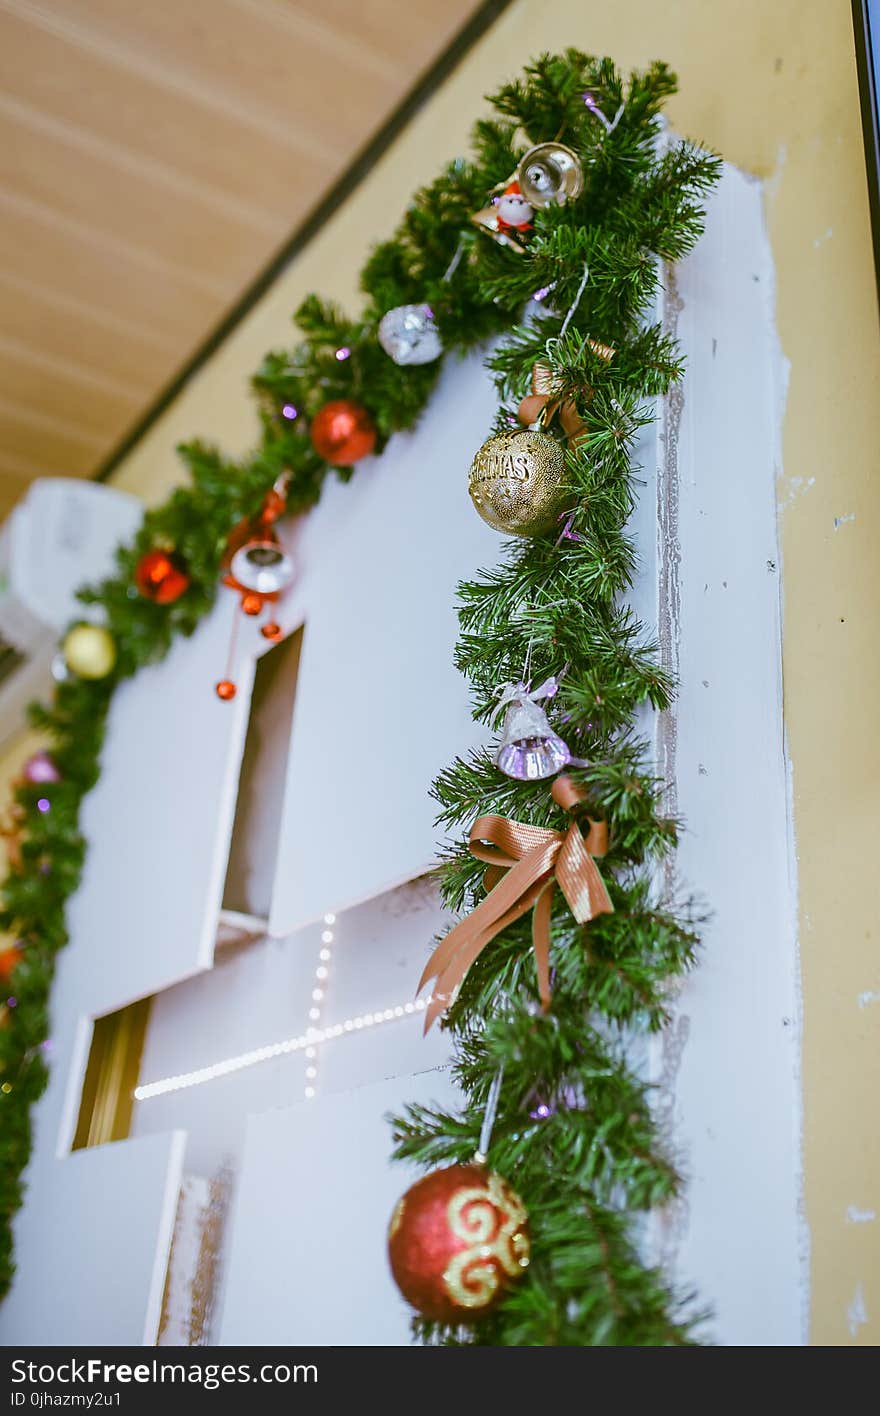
{"points": [[263, 566], [516, 481], [550, 175], [409, 335]]}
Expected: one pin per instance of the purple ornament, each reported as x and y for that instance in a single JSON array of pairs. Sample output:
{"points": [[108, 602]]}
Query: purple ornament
{"points": [[44, 805], [343, 353], [529, 749], [40, 769], [289, 412]]}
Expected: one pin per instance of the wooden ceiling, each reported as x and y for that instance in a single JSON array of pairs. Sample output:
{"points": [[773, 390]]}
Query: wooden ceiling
{"points": [[154, 156]]}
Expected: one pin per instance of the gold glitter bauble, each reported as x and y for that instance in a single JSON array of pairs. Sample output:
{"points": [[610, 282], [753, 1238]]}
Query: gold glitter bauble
{"points": [[516, 481], [89, 651]]}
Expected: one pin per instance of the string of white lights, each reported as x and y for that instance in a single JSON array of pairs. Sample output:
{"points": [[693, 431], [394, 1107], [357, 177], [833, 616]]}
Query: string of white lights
{"points": [[311, 1039], [322, 973]]}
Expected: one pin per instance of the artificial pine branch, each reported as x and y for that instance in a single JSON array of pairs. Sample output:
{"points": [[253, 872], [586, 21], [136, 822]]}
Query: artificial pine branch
{"points": [[574, 1132]]}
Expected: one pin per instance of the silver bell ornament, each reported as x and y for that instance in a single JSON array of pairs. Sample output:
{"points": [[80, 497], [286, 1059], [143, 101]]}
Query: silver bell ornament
{"points": [[529, 749], [262, 565], [409, 335], [550, 175]]}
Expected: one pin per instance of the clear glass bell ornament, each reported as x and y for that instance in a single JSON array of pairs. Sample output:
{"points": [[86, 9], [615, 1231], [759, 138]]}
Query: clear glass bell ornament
{"points": [[529, 749], [262, 565]]}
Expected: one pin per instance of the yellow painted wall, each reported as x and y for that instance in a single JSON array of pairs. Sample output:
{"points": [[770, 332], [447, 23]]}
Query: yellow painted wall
{"points": [[771, 85]]}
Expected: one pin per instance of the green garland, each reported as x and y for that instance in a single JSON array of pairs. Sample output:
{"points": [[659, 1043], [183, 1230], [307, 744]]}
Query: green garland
{"points": [[586, 1168]]}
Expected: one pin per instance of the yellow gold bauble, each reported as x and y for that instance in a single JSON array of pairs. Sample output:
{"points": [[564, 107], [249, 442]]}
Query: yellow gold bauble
{"points": [[89, 651], [516, 481]]}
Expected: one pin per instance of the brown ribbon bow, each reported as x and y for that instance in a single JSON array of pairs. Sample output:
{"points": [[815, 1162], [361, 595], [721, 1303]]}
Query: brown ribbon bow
{"points": [[545, 399], [525, 864]]}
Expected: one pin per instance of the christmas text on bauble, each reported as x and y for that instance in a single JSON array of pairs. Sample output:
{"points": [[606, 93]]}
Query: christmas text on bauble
{"points": [[516, 481]]}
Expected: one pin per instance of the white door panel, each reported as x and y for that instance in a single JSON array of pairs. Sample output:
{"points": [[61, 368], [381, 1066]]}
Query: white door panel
{"points": [[92, 1245], [380, 708], [158, 821], [307, 1260]]}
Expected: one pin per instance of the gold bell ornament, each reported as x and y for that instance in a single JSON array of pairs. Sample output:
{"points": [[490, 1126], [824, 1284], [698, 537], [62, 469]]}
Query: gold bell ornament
{"points": [[550, 175]]}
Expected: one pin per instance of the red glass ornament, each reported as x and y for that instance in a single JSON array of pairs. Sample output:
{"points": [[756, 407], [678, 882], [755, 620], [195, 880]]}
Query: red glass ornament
{"points": [[9, 961], [160, 577], [225, 689], [251, 603], [458, 1240], [343, 432], [271, 630]]}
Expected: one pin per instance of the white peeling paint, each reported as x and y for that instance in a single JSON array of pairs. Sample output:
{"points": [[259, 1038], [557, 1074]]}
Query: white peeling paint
{"points": [[794, 488], [844, 520], [774, 181], [856, 1216], [856, 1313], [871, 995]]}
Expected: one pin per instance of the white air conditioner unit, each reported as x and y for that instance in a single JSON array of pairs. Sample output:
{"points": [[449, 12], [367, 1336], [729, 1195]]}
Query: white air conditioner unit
{"points": [[60, 536]]}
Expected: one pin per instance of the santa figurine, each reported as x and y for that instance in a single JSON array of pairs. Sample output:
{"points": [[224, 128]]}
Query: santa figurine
{"points": [[512, 209], [507, 218]]}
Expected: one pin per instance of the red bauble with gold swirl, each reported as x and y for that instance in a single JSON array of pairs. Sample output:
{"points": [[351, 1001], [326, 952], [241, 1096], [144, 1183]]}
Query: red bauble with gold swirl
{"points": [[458, 1240], [343, 432], [160, 577]]}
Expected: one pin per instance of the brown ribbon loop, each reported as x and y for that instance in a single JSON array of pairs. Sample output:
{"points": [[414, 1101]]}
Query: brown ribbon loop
{"points": [[525, 864], [544, 400]]}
